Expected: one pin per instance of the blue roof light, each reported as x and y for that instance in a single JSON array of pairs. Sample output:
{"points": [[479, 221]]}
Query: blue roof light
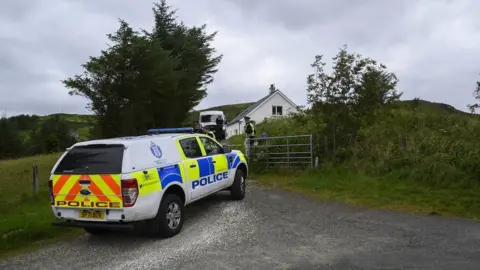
{"points": [[170, 130]]}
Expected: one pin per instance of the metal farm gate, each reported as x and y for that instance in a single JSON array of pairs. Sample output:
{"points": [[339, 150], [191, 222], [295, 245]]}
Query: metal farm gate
{"points": [[293, 152]]}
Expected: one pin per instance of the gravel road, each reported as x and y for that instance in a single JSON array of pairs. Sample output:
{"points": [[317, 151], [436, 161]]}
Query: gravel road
{"points": [[273, 229]]}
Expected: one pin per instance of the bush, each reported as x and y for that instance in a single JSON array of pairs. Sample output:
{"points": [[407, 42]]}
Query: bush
{"points": [[425, 144]]}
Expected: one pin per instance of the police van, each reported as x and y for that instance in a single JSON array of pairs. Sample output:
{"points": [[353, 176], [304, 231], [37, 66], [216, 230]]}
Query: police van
{"points": [[108, 184]]}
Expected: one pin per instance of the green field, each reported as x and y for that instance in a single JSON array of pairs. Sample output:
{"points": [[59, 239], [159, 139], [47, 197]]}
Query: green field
{"points": [[24, 217]]}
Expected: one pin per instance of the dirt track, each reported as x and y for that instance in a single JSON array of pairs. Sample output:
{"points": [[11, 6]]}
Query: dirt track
{"points": [[274, 229]]}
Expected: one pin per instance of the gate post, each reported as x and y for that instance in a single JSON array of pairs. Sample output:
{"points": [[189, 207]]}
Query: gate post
{"points": [[288, 154], [311, 151]]}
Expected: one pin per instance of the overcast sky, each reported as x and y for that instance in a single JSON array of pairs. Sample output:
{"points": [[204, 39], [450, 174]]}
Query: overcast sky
{"points": [[433, 46]]}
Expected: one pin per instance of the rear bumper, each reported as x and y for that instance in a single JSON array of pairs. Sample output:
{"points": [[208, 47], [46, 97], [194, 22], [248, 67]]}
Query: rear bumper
{"points": [[87, 224]]}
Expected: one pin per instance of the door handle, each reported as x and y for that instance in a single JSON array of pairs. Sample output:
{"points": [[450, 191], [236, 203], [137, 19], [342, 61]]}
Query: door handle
{"points": [[193, 166], [213, 161]]}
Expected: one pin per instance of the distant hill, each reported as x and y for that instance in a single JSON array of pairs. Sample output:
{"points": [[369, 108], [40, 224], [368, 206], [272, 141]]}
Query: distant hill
{"points": [[82, 120], [81, 123], [440, 107]]}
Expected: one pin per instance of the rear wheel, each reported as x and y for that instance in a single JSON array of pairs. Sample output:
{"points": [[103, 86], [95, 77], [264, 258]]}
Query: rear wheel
{"points": [[237, 190], [169, 219]]}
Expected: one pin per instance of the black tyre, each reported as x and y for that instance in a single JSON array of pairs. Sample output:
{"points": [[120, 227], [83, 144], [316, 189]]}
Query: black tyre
{"points": [[169, 219], [96, 231], [237, 190]]}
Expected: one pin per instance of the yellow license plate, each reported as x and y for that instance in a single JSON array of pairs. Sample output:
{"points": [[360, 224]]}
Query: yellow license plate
{"points": [[91, 214]]}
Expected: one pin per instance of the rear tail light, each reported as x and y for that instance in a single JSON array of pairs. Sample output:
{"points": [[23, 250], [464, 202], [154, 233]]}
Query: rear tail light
{"points": [[50, 192], [129, 192]]}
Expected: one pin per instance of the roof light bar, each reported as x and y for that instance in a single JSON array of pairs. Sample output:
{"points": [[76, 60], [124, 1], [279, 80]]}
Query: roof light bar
{"points": [[170, 130]]}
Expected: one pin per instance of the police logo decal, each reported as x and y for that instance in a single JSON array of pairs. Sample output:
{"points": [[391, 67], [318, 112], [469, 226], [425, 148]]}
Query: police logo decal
{"points": [[156, 150]]}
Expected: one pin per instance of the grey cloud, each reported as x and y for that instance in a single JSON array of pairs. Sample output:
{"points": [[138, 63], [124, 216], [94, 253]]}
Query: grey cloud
{"points": [[431, 45], [305, 14]]}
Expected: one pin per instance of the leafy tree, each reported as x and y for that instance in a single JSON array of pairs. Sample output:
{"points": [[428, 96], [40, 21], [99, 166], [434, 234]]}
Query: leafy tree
{"points": [[349, 97], [476, 95], [147, 79], [11, 141], [52, 135], [352, 93], [24, 121]]}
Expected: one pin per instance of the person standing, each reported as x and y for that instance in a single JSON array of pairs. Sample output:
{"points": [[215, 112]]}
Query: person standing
{"points": [[219, 133], [249, 130]]}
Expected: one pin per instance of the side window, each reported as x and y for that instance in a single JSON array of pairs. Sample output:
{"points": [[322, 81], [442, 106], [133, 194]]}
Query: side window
{"points": [[211, 147], [191, 148]]}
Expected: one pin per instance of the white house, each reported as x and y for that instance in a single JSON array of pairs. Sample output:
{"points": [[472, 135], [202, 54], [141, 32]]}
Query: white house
{"points": [[275, 104]]}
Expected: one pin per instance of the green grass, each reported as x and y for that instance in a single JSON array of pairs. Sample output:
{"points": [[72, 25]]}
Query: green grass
{"points": [[24, 217], [387, 192]]}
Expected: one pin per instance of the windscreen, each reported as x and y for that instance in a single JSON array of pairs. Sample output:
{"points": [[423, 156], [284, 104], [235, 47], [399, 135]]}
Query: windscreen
{"points": [[209, 118], [92, 159]]}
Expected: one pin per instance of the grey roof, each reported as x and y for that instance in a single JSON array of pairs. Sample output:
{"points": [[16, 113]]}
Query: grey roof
{"points": [[250, 108]]}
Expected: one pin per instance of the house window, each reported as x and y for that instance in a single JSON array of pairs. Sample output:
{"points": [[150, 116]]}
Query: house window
{"points": [[277, 110], [236, 131]]}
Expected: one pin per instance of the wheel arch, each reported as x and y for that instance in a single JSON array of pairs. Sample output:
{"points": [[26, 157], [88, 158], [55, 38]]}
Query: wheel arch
{"points": [[243, 167], [176, 189]]}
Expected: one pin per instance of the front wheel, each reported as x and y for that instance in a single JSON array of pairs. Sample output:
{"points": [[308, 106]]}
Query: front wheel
{"points": [[169, 219], [237, 190]]}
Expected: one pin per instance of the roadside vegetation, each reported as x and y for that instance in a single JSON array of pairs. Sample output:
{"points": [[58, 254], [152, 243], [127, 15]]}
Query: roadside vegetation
{"points": [[25, 218], [390, 191], [376, 150]]}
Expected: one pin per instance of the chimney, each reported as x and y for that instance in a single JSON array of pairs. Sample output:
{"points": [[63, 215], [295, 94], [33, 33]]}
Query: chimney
{"points": [[272, 88]]}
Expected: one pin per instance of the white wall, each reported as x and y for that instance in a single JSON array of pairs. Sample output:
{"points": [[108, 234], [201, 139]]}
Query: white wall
{"points": [[262, 112], [238, 127]]}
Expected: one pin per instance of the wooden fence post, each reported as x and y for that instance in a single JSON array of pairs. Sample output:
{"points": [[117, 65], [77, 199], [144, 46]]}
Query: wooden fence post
{"points": [[404, 144], [325, 143], [35, 179]]}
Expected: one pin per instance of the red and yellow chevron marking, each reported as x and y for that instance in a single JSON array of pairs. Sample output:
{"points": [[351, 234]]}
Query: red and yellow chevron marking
{"points": [[105, 191]]}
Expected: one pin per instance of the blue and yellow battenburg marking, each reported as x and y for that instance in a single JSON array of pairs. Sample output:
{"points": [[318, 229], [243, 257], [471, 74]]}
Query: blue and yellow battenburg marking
{"points": [[208, 173], [235, 160], [169, 174], [204, 171], [210, 179]]}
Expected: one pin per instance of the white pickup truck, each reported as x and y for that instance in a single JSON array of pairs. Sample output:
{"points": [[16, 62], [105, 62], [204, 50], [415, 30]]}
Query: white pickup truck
{"points": [[114, 183]]}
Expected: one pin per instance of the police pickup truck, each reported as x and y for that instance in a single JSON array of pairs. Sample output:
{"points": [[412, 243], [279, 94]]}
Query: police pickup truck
{"points": [[108, 184]]}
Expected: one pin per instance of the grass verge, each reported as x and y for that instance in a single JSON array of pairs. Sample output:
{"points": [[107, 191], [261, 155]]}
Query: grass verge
{"points": [[387, 192], [25, 218]]}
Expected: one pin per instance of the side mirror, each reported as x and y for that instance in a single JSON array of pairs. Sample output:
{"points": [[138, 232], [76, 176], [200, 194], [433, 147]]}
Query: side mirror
{"points": [[227, 148]]}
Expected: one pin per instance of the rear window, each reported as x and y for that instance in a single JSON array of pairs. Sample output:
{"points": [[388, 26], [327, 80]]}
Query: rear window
{"points": [[92, 159]]}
